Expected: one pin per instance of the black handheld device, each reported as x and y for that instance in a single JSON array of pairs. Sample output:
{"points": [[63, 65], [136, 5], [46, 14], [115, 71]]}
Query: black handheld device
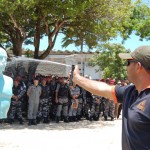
{"points": [[71, 76]]}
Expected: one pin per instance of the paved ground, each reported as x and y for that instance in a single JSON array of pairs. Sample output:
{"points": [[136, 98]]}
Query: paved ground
{"points": [[84, 135]]}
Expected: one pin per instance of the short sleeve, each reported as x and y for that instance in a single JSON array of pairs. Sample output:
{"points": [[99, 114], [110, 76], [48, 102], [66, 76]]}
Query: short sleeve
{"points": [[119, 92]]}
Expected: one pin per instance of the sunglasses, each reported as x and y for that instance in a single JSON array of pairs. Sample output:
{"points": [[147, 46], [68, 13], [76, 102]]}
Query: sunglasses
{"points": [[129, 61]]}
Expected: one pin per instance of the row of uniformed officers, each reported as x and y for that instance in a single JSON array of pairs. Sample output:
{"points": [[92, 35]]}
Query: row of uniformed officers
{"points": [[48, 99]]}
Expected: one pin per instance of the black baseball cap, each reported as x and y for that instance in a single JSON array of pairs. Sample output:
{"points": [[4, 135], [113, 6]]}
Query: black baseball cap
{"points": [[36, 78], [140, 54]]}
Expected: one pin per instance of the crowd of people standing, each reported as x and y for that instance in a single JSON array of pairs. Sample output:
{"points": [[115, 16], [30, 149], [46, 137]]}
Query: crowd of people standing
{"points": [[50, 98]]}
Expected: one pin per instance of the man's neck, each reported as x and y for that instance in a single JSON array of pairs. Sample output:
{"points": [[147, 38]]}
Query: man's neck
{"points": [[143, 84]]}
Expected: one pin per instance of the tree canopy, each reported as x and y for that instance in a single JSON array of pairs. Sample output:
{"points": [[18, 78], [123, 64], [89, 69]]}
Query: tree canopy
{"points": [[139, 23], [88, 21], [101, 21], [109, 62]]}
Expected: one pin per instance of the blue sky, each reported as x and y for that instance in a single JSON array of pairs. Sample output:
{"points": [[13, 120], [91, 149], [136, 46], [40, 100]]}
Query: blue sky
{"points": [[131, 43]]}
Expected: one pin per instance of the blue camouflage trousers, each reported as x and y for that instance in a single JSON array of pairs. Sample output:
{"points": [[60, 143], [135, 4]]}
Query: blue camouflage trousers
{"points": [[109, 108], [44, 108], [87, 107], [95, 109], [80, 107], [15, 109]]}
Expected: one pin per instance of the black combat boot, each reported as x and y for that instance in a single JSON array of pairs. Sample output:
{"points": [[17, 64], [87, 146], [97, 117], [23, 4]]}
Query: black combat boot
{"points": [[112, 118], [70, 119], [57, 119], [38, 120], [30, 122], [87, 117], [96, 118], [10, 121], [75, 118], [66, 119], [46, 120], [21, 121], [105, 118], [91, 118], [34, 122], [78, 117]]}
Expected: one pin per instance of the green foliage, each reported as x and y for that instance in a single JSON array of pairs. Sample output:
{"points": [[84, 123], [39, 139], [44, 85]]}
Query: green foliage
{"points": [[16, 22], [29, 53], [109, 62], [100, 21], [139, 22], [28, 20], [83, 22]]}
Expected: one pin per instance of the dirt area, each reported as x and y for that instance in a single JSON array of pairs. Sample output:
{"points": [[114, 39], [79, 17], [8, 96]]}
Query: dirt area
{"points": [[83, 135]]}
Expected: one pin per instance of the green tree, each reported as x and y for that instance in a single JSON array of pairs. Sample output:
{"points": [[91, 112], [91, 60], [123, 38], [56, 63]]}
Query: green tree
{"points": [[109, 62], [29, 53], [139, 23], [24, 21], [89, 21], [15, 24], [101, 21]]}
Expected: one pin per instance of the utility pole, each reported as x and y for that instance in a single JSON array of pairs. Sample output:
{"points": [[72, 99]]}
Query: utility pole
{"points": [[82, 58]]}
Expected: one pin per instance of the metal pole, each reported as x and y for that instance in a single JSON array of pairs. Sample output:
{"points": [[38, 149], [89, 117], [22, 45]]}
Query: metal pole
{"points": [[82, 59]]}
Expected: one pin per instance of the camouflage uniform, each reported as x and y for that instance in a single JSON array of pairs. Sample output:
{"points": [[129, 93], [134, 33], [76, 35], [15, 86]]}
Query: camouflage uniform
{"points": [[15, 107], [44, 105], [87, 97], [24, 100], [109, 109], [53, 86], [53, 107], [63, 94], [102, 105], [95, 109], [80, 105], [74, 91]]}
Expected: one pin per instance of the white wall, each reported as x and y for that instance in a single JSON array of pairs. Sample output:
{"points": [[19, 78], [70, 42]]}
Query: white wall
{"points": [[92, 71], [75, 59], [88, 70]]}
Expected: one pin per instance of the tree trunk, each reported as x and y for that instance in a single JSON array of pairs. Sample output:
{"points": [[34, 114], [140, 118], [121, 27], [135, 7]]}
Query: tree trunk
{"points": [[50, 46], [17, 51], [32, 69], [17, 47], [46, 53], [52, 36], [37, 39], [18, 38]]}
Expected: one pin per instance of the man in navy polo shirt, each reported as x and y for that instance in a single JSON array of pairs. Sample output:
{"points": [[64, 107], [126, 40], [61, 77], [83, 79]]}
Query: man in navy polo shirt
{"points": [[135, 98]]}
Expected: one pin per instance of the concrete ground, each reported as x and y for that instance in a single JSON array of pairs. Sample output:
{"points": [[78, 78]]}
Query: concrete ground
{"points": [[83, 135]]}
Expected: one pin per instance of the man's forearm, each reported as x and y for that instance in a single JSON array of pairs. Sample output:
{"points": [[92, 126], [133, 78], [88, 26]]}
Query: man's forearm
{"points": [[94, 87]]}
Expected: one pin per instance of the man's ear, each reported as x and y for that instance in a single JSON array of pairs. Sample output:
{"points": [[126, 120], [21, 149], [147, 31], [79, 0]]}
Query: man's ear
{"points": [[139, 66]]}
